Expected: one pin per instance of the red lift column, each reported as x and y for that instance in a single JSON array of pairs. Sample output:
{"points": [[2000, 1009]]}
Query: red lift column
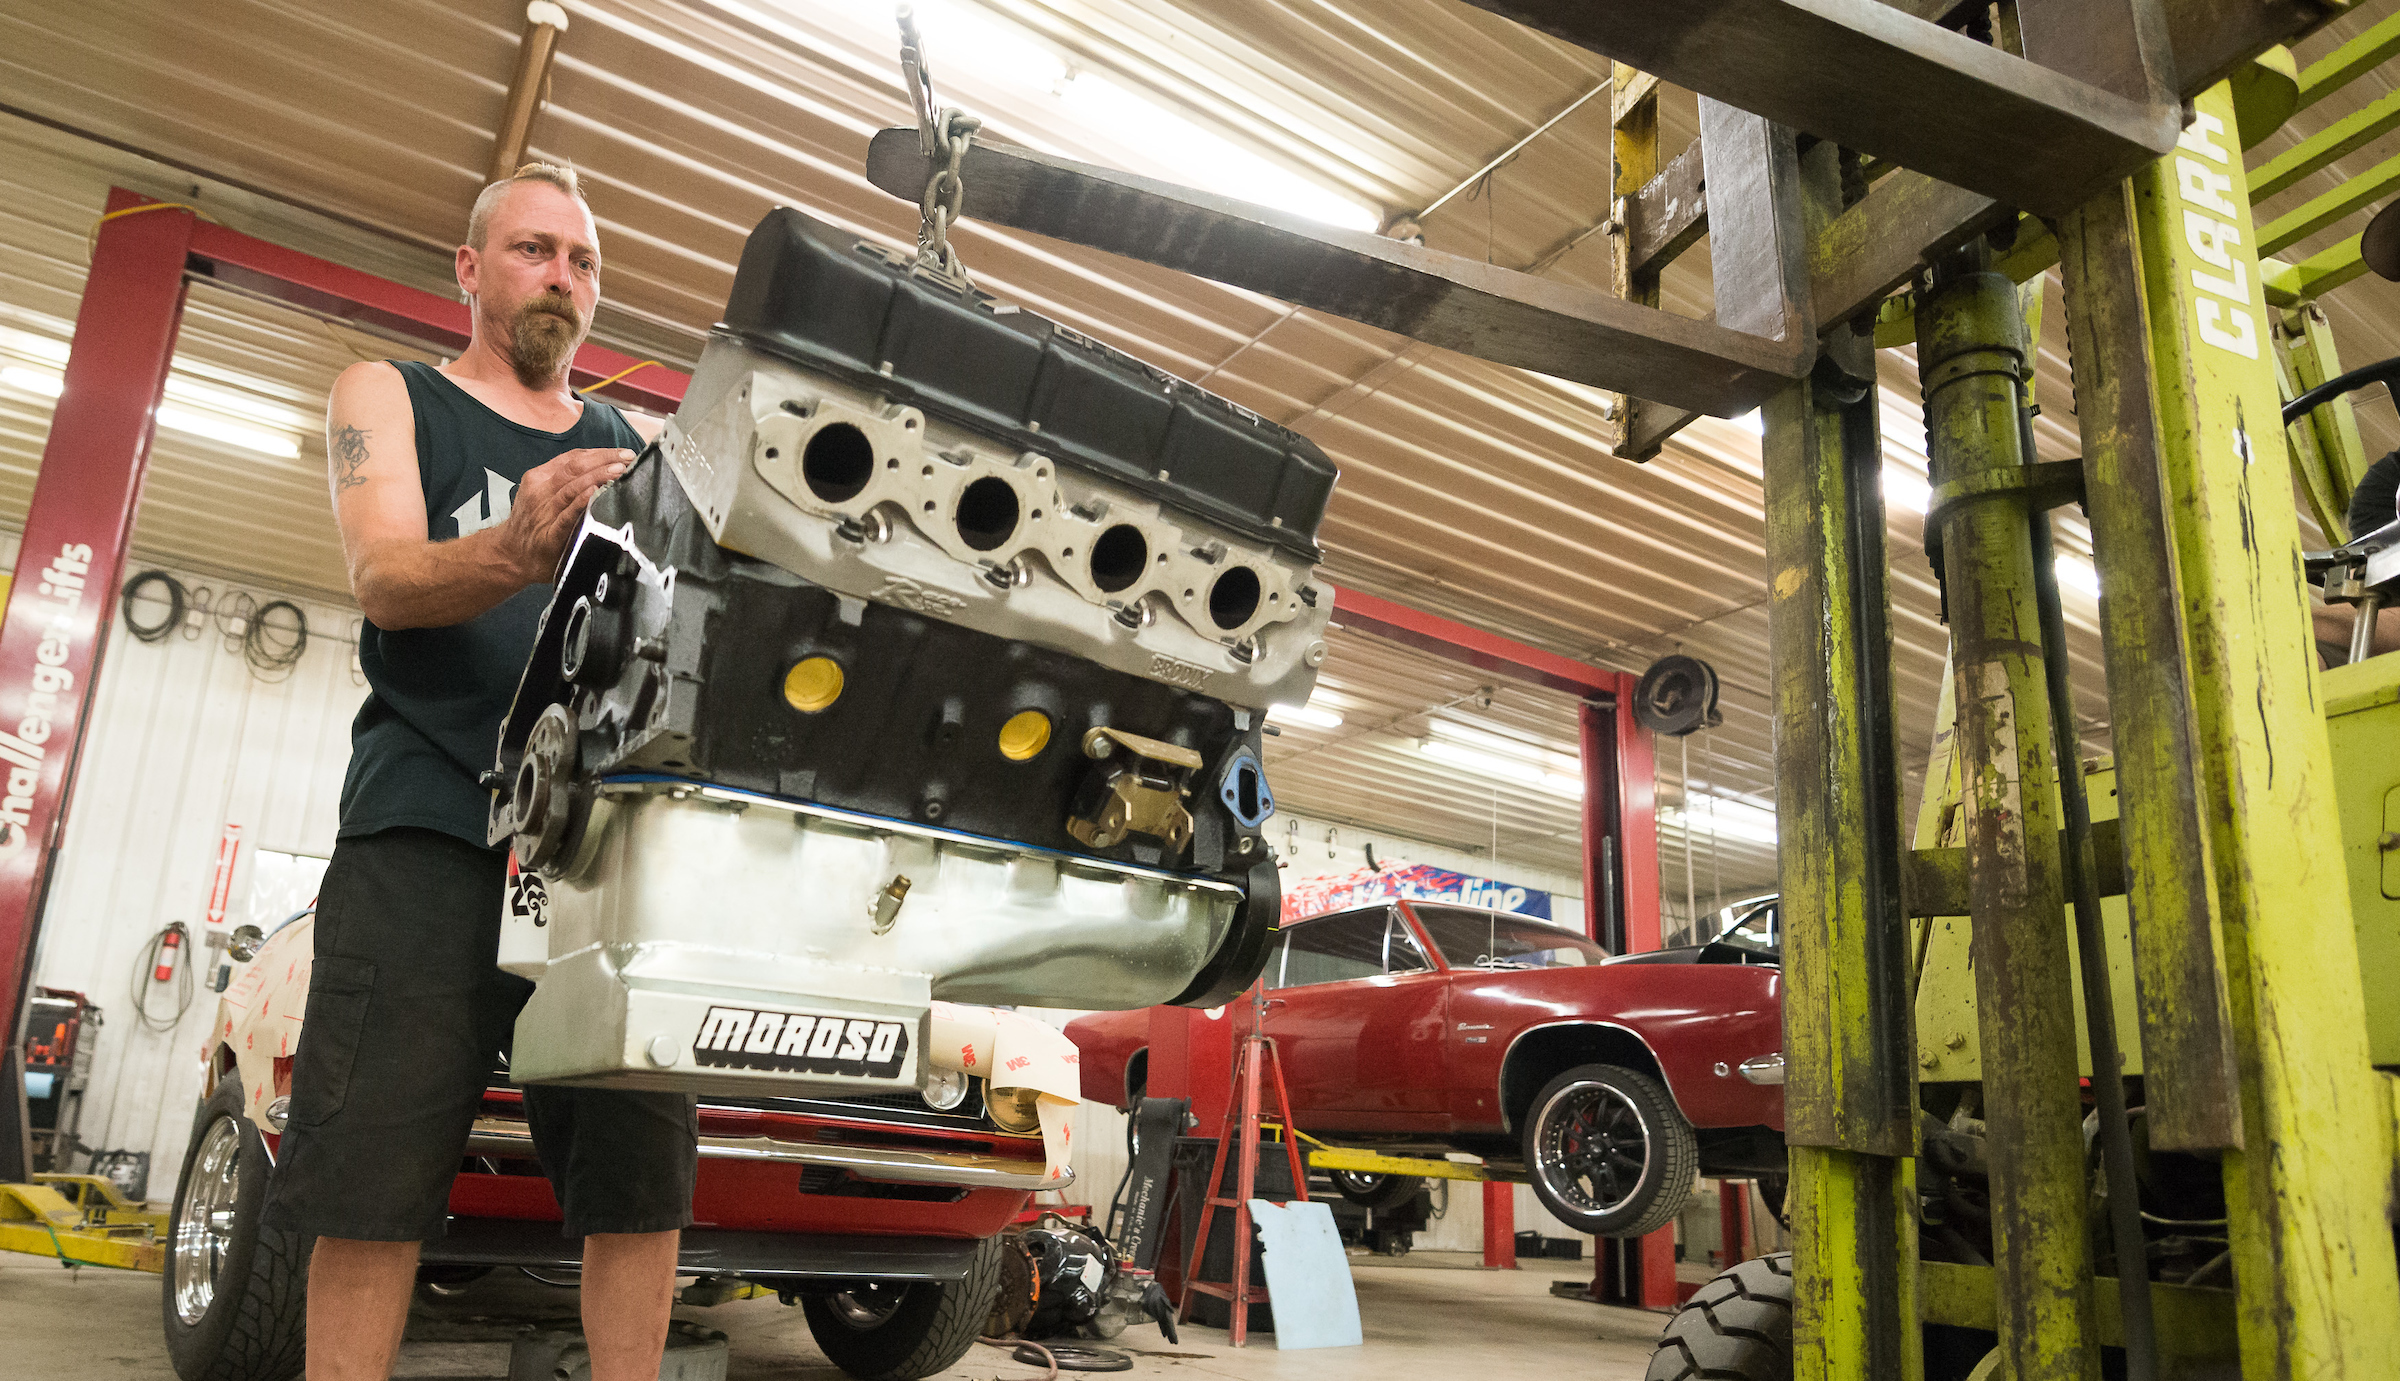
{"points": [[67, 574]]}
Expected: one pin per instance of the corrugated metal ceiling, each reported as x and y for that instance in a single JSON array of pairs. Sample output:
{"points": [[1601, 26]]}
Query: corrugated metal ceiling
{"points": [[1479, 492]]}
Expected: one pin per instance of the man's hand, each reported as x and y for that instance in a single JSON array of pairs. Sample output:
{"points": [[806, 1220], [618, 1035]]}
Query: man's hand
{"points": [[549, 504], [401, 577]]}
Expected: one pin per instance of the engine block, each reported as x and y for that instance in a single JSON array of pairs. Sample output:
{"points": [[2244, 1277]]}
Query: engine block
{"points": [[925, 657]]}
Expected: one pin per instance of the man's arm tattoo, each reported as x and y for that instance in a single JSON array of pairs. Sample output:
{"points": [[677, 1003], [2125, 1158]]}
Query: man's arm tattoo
{"points": [[349, 457]]}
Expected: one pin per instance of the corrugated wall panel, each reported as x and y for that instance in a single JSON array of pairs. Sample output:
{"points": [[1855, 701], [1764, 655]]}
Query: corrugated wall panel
{"points": [[186, 738]]}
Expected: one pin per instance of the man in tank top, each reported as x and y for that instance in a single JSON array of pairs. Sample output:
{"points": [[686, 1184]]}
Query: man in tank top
{"points": [[457, 489]]}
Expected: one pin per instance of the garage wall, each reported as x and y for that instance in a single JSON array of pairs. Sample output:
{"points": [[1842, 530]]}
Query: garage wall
{"points": [[186, 739]]}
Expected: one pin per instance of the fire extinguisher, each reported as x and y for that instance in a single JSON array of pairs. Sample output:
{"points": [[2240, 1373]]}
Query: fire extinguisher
{"points": [[170, 947]]}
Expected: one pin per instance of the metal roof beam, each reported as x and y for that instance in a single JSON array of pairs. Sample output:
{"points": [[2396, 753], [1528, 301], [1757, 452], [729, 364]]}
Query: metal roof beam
{"points": [[1874, 78]]}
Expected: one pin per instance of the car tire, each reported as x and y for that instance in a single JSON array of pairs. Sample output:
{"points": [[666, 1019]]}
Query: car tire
{"points": [[1639, 1174], [235, 1292], [1377, 1193], [1737, 1327], [906, 1331]]}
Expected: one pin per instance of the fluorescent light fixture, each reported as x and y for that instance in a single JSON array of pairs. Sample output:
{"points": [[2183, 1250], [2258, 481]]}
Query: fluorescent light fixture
{"points": [[2075, 573], [33, 346], [1305, 714], [40, 381], [1483, 740], [1905, 489], [242, 405], [192, 406], [1505, 768], [1727, 819], [1002, 56], [195, 423]]}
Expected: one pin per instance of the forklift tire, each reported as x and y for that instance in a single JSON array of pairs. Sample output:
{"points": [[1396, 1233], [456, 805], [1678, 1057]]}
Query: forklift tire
{"points": [[1737, 1327], [901, 1332], [235, 1292], [1377, 1193]]}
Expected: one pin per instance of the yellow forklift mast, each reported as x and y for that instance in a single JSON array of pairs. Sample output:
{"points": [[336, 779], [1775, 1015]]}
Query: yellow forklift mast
{"points": [[1958, 1171]]}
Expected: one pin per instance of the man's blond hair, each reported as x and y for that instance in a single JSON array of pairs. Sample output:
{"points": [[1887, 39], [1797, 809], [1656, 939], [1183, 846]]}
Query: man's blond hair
{"points": [[479, 220]]}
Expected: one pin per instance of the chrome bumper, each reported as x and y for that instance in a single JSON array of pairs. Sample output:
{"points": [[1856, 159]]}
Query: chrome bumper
{"points": [[493, 1136]]}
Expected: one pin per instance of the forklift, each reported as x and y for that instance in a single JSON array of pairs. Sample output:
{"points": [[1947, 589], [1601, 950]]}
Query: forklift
{"points": [[2150, 1137]]}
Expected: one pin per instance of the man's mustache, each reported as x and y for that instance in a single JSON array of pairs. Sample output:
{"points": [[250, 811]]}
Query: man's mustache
{"points": [[550, 304]]}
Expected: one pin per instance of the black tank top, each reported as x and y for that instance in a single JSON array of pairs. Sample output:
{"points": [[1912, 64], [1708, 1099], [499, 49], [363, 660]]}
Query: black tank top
{"points": [[431, 722]]}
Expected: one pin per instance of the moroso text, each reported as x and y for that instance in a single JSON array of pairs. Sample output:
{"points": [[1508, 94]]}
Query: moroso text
{"points": [[799, 1043]]}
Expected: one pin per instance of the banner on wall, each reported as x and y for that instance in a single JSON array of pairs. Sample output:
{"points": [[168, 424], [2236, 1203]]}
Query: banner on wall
{"points": [[1415, 881]]}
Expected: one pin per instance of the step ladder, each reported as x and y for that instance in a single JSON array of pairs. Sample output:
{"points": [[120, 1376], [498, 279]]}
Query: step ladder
{"points": [[1256, 1058]]}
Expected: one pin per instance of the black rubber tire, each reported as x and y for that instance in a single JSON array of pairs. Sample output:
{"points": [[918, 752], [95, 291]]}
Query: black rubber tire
{"points": [[1737, 1327], [1377, 1193], [932, 1327], [255, 1326], [1670, 1160]]}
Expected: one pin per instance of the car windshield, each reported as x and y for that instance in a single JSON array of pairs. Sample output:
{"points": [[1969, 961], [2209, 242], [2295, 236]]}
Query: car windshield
{"points": [[1469, 938], [1755, 932]]}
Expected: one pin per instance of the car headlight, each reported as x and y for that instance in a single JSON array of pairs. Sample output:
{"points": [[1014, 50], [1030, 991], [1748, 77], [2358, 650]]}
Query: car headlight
{"points": [[1013, 1110], [944, 1089]]}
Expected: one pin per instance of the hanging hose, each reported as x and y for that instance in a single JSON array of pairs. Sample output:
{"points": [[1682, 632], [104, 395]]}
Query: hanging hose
{"points": [[269, 655], [178, 603], [2382, 372], [143, 975]]}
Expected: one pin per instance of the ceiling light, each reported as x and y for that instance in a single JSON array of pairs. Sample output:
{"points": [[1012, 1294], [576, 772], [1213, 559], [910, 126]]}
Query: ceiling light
{"points": [[33, 346], [1506, 768], [40, 381], [1488, 742], [1905, 489], [1751, 422], [1005, 57], [2075, 573], [197, 423], [1304, 714], [1724, 818]]}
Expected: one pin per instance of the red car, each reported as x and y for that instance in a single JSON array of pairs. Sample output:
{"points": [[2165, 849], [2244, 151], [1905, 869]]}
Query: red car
{"points": [[878, 1214], [1608, 1081]]}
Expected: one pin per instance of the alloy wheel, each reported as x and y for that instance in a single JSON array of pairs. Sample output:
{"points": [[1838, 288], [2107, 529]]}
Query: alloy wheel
{"points": [[204, 1227], [1594, 1147]]}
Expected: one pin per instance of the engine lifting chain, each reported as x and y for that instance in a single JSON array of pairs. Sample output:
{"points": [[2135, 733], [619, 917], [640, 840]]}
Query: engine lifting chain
{"points": [[943, 134]]}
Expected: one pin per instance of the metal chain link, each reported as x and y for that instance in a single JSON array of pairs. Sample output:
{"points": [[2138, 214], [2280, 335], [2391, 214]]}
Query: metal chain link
{"points": [[945, 194], [943, 135]]}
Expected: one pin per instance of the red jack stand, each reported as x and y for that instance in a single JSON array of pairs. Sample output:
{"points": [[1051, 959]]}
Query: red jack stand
{"points": [[1241, 1127]]}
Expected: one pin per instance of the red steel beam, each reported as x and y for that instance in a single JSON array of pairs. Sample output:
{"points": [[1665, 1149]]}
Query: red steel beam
{"points": [[1476, 648], [1619, 790], [1636, 784], [68, 568], [1499, 1226], [323, 288]]}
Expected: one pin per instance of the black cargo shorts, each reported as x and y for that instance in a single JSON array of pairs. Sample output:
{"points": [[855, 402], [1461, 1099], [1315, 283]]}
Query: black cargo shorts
{"points": [[407, 1012]]}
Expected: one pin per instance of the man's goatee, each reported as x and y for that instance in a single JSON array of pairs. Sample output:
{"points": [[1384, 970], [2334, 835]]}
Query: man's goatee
{"points": [[546, 331]]}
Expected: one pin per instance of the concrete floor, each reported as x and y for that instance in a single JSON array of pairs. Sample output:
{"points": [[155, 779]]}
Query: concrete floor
{"points": [[1429, 1314]]}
